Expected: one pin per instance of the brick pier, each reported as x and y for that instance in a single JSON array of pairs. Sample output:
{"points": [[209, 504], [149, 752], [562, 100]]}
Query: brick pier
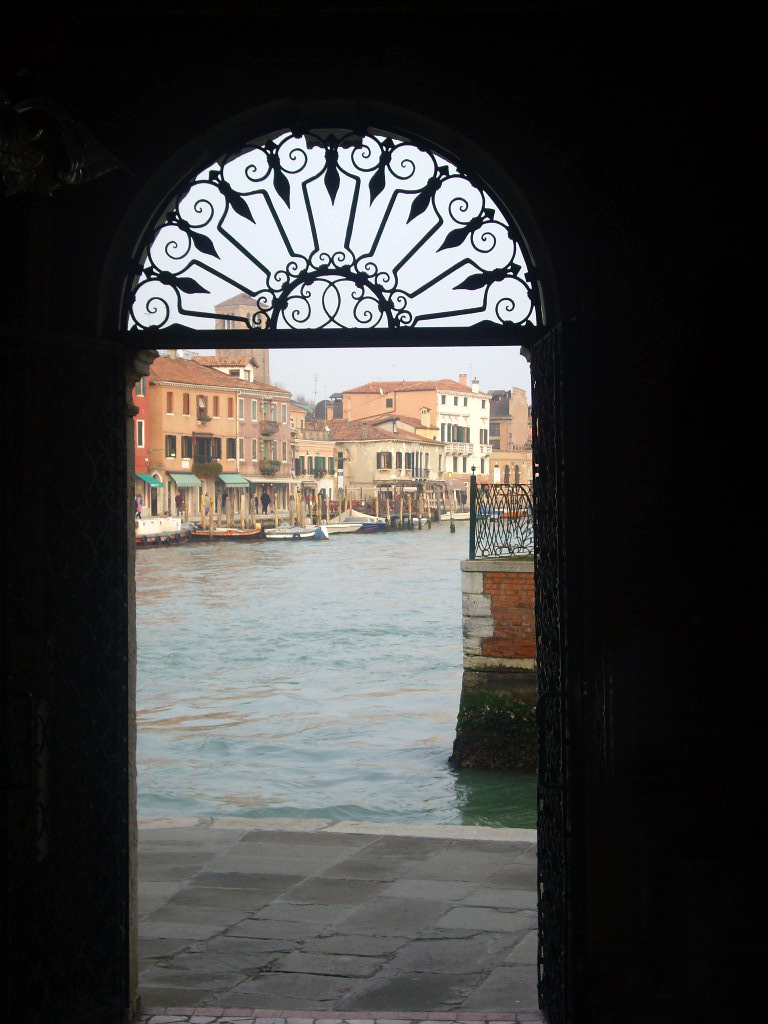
{"points": [[498, 693]]}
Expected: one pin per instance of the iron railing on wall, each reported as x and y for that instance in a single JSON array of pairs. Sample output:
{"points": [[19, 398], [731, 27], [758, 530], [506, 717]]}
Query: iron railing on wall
{"points": [[500, 520]]}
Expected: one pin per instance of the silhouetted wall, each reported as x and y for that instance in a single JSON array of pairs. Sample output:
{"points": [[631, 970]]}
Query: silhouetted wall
{"points": [[616, 130]]}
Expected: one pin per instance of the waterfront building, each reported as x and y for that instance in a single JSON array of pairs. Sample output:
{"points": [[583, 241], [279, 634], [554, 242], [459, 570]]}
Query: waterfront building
{"points": [[263, 430], [147, 484], [458, 414], [385, 460], [314, 457], [194, 430], [236, 314], [510, 434]]}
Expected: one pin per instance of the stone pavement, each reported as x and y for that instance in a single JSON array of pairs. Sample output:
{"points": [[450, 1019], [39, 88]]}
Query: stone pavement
{"points": [[317, 921]]}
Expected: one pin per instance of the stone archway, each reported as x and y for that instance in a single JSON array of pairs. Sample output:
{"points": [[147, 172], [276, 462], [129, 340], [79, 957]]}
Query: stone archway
{"points": [[167, 275]]}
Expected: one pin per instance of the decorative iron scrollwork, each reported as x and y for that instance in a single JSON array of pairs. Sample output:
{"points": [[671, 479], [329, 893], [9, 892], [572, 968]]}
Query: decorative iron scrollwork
{"points": [[501, 520], [332, 229]]}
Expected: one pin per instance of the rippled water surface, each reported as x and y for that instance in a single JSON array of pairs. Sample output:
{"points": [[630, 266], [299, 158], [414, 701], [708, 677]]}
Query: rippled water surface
{"points": [[309, 679]]}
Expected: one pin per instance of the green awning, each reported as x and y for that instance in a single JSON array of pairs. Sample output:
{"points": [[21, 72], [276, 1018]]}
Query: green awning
{"points": [[233, 480], [149, 480], [185, 479]]}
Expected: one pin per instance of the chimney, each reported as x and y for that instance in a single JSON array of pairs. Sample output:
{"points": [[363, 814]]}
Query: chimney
{"points": [[463, 379], [475, 386]]}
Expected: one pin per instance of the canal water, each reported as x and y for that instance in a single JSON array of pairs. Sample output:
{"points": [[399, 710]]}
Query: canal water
{"points": [[310, 680]]}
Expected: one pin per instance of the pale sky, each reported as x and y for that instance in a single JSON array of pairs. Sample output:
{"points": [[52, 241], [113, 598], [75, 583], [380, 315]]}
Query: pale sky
{"points": [[318, 373]]}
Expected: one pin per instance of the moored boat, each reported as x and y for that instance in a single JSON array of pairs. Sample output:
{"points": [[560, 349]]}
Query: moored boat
{"points": [[368, 524], [222, 534], [161, 531], [334, 528], [297, 533]]}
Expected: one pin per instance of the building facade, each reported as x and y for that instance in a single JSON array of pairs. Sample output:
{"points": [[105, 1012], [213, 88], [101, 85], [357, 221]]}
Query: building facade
{"points": [[375, 461], [240, 313], [510, 432], [455, 413]]}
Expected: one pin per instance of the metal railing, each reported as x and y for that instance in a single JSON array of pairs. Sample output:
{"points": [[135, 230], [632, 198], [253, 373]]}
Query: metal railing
{"points": [[500, 520]]}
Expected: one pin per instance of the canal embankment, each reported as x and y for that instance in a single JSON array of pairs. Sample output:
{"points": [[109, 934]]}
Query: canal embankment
{"points": [[496, 723], [319, 916]]}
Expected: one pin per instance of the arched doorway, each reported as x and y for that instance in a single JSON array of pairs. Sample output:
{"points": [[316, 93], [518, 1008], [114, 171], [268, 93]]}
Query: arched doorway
{"points": [[328, 232]]}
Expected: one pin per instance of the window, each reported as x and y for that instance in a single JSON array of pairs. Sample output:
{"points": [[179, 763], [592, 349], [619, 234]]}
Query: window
{"points": [[141, 387], [169, 401], [170, 446], [455, 399], [254, 410], [254, 449], [390, 403], [186, 447], [426, 462], [398, 460], [465, 400], [240, 454], [482, 404], [274, 410], [231, 407], [310, 467], [139, 433], [231, 448], [409, 460], [216, 448], [482, 465], [185, 404], [466, 434], [215, 405], [285, 450], [330, 465], [202, 406], [464, 464], [284, 413], [442, 399], [241, 408], [273, 449], [383, 460], [455, 463], [439, 463]]}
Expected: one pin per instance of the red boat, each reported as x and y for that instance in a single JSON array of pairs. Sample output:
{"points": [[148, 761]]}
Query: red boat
{"points": [[215, 536]]}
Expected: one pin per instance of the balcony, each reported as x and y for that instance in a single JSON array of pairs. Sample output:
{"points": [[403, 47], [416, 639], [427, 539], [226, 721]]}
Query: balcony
{"points": [[269, 428], [269, 467], [207, 470]]}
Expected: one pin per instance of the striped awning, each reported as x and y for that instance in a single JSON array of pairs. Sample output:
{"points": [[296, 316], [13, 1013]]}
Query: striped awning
{"points": [[233, 480], [149, 480], [185, 479]]}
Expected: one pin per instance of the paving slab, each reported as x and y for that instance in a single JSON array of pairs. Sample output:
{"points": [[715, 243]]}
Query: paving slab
{"points": [[337, 919], [394, 917], [421, 991]]}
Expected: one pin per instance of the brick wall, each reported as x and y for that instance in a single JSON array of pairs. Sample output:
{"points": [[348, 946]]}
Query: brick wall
{"points": [[496, 726], [498, 612]]}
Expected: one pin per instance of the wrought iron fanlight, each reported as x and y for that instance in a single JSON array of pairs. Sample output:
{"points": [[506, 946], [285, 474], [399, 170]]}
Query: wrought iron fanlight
{"points": [[332, 229]]}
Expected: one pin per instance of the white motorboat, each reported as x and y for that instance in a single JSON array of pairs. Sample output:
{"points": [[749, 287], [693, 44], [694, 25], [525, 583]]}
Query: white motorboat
{"points": [[297, 533]]}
